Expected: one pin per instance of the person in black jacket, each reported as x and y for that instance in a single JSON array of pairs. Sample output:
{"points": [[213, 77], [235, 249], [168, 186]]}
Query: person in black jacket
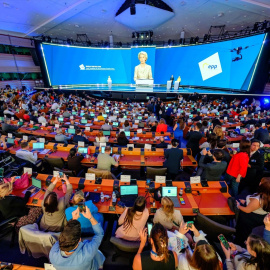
{"points": [[122, 139], [79, 137], [193, 137], [173, 158], [254, 174], [12, 206], [74, 161], [261, 134]]}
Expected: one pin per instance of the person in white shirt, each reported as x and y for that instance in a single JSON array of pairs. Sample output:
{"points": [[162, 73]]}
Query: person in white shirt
{"points": [[42, 119], [55, 106], [8, 111], [25, 154]]}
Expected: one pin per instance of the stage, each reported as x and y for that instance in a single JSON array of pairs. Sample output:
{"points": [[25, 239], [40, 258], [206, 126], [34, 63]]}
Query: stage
{"points": [[131, 88]]}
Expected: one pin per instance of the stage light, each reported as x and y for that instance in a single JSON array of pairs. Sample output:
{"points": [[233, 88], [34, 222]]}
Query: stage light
{"points": [[266, 101]]}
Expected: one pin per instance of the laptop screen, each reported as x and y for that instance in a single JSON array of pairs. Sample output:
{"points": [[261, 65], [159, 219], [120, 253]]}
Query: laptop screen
{"points": [[38, 145], [139, 117], [82, 150], [84, 121], [115, 124], [36, 182], [127, 133], [106, 133], [74, 113], [128, 190], [60, 119], [71, 131], [169, 191], [10, 140]]}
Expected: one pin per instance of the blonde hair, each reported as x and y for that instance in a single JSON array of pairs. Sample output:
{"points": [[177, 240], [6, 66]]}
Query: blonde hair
{"points": [[144, 53], [77, 198], [5, 189], [219, 132], [167, 206]]}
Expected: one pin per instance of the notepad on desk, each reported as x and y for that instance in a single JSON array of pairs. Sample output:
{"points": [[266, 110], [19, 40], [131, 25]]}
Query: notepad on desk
{"points": [[45, 151], [135, 138]]}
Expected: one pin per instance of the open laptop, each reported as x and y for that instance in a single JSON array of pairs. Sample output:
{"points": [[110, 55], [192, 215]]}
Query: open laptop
{"points": [[10, 141], [61, 119], [172, 193], [128, 194], [36, 182], [71, 131], [106, 133], [127, 133], [115, 124], [84, 121], [38, 146], [83, 150]]}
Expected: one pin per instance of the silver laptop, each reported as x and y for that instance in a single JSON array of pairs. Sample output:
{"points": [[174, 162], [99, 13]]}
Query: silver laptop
{"points": [[172, 193]]}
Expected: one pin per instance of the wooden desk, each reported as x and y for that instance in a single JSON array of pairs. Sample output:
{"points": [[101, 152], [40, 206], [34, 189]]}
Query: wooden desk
{"points": [[26, 267], [210, 201]]}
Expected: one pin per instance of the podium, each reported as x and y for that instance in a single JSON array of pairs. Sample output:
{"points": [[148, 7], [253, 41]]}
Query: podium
{"points": [[176, 85], [169, 84], [144, 85]]}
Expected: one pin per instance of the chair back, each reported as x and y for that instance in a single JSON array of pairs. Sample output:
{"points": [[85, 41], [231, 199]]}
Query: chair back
{"points": [[152, 172], [55, 162], [101, 173]]}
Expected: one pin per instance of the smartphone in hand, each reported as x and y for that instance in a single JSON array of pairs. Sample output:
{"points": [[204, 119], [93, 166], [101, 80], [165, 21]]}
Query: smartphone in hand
{"points": [[224, 241]]}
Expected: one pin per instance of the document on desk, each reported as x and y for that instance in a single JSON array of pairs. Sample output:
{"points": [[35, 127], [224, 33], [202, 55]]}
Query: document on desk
{"points": [[116, 156], [45, 151], [135, 138]]}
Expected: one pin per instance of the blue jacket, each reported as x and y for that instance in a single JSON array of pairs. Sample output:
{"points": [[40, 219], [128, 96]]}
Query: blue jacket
{"points": [[86, 256], [86, 225], [266, 236]]}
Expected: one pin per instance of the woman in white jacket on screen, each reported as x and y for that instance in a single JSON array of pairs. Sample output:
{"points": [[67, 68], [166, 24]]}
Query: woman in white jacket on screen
{"points": [[203, 257]]}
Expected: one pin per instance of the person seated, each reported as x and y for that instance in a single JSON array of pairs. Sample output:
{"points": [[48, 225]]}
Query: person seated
{"points": [[26, 116], [162, 127], [212, 171], [7, 127], [86, 226], [152, 118], [66, 114], [203, 256], [60, 137], [255, 256], [126, 125], [53, 120], [74, 161], [54, 218], [79, 137], [105, 161], [100, 117], [42, 118], [10, 205], [133, 220], [3, 143], [70, 253], [106, 126], [122, 140], [167, 216], [162, 143], [159, 257], [100, 138], [173, 158], [27, 155], [154, 126], [266, 232]]}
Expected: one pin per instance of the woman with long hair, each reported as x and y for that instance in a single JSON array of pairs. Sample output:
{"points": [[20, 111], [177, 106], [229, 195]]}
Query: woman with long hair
{"points": [[178, 129], [203, 257], [160, 257], [252, 211], [100, 138], [167, 216], [237, 168], [126, 125], [54, 218], [133, 220], [219, 132], [162, 127], [256, 256], [122, 140]]}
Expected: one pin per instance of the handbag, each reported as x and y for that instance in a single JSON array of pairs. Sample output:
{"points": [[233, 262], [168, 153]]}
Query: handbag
{"points": [[20, 183]]}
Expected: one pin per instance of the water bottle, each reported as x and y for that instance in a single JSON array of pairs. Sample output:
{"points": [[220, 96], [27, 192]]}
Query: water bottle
{"points": [[101, 197], [64, 187], [181, 192]]}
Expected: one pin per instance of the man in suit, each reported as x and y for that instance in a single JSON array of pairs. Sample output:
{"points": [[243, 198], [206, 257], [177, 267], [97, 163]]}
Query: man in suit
{"points": [[193, 137], [254, 171], [213, 171], [261, 134], [162, 143], [173, 158]]}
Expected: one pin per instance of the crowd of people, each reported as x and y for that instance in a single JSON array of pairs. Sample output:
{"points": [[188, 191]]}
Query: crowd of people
{"points": [[197, 123]]}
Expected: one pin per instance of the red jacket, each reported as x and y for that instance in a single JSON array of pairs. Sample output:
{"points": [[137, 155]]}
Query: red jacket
{"points": [[162, 127], [238, 165]]}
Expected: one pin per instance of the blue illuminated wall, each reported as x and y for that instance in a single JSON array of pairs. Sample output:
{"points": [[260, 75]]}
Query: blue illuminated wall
{"points": [[227, 64]]}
